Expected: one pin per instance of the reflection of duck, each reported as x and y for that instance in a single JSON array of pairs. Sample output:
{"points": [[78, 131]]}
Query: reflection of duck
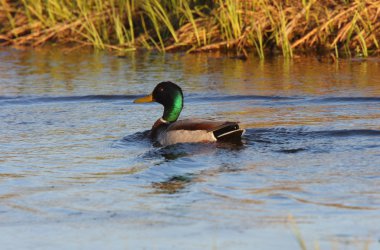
{"points": [[167, 130]]}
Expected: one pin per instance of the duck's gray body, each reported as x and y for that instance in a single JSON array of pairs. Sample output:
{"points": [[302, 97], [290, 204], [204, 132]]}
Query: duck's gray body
{"points": [[193, 131]]}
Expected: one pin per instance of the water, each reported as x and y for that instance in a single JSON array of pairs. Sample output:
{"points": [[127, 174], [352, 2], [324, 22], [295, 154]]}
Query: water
{"points": [[77, 170]]}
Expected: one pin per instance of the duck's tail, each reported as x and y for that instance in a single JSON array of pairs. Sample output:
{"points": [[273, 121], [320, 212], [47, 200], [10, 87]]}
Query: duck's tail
{"points": [[229, 131]]}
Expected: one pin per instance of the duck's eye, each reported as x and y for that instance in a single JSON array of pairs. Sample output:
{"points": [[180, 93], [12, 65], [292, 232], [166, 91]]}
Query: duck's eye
{"points": [[161, 89]]}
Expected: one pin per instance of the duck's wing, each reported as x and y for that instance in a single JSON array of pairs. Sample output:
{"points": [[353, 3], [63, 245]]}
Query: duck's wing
{"points": [[220, 130], [198, 124]]}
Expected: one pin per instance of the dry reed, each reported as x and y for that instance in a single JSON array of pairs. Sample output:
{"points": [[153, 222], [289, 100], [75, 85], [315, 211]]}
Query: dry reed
{"points": [[339, 27]]}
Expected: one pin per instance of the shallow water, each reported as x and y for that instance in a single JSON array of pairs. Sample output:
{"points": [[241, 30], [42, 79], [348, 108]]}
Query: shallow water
{"points": [[78, 171]]}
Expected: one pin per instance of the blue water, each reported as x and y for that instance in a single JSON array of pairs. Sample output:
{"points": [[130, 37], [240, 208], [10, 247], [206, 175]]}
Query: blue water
{"points": [[78, 171]]}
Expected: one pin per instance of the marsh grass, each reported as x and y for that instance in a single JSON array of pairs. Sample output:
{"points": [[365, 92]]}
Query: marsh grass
{"points": [[350, 27]]}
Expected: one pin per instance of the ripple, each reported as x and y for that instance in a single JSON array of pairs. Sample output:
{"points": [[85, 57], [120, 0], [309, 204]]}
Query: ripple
{"points": [[238, 98], [347, 99], [23, 100], [4, 100], [255, 134], [136, 137]]}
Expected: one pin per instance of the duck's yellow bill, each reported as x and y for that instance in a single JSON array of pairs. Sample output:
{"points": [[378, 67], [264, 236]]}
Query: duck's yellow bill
{"points": [[148, 98]]}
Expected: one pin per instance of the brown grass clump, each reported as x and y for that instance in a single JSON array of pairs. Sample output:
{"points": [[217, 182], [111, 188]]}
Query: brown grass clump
{"points": [[263, 26]]}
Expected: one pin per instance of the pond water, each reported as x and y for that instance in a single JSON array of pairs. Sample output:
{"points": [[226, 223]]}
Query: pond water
{"points": [[78, 171]]}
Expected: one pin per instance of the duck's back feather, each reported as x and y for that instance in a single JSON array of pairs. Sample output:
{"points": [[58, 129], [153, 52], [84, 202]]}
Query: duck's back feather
{"points": [[199, 131], [198, 124], [185, 136]]}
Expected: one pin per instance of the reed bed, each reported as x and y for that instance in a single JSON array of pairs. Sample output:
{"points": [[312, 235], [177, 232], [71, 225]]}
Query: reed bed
{"points": [[337, 27]]}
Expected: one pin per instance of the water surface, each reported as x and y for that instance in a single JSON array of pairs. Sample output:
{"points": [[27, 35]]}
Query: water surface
{"points": [[78, 171]]}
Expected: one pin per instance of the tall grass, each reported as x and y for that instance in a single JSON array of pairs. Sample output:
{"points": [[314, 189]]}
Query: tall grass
{"points": [[260, 26]]}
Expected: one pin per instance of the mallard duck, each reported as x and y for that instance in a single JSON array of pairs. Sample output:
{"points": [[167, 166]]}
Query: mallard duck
{"points": [[167, 130]]}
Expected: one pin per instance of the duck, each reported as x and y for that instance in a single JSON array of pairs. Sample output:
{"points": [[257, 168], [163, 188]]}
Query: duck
{"points": [[168, 130]]}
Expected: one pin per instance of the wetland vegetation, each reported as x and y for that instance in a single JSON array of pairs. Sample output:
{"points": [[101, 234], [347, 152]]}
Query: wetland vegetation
{"points": [[329, 27]]}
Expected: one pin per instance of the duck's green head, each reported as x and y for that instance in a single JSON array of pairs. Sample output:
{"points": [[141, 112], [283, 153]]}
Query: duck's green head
{"points": [[170, 96]]}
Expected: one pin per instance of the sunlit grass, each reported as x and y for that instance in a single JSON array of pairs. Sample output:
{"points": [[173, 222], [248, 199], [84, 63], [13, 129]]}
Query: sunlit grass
{"points": [[260, 26]]}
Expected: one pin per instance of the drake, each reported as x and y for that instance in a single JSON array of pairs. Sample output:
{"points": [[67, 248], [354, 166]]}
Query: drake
{"points": [[167, 130]]}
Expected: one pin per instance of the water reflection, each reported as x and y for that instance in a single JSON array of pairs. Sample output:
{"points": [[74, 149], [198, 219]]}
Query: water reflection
{"points": [[74, 72], [173, 185]]}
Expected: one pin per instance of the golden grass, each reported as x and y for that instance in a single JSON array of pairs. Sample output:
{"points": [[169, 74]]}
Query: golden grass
{"points": [[350, 27]]}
